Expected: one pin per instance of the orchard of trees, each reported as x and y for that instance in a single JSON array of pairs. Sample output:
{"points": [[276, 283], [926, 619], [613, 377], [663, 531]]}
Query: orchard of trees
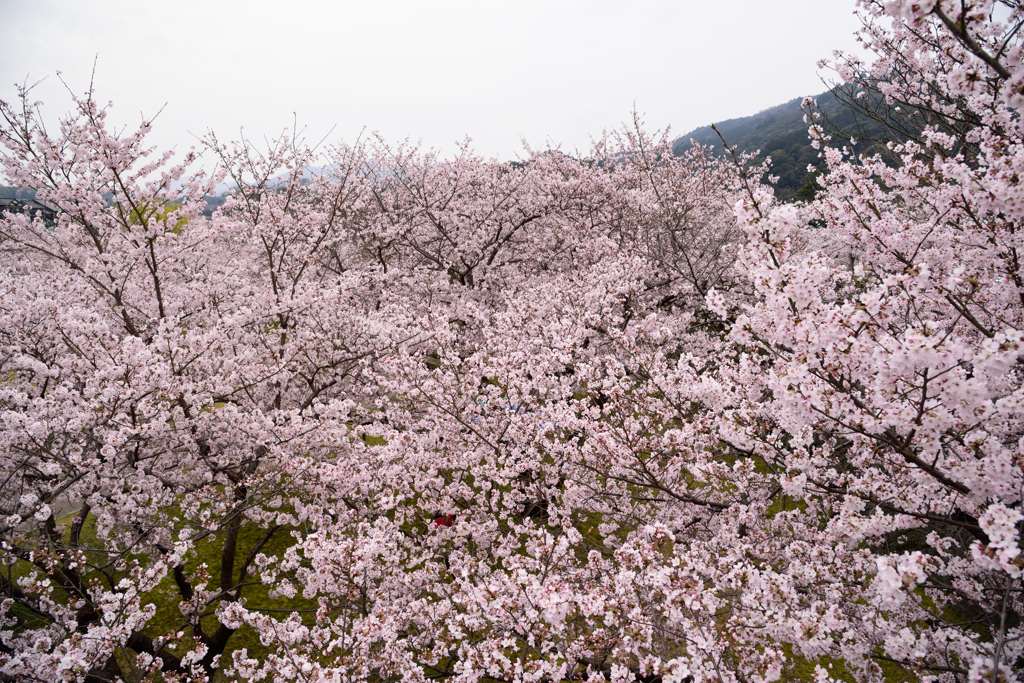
{"points": [[616, 418]]}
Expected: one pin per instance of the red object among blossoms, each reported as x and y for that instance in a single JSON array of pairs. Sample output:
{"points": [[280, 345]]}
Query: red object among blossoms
{"points": [[444, 520]]}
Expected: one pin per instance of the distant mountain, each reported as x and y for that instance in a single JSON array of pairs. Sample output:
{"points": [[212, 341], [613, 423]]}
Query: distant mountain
{"points": [[8, 192], [781, 133]]}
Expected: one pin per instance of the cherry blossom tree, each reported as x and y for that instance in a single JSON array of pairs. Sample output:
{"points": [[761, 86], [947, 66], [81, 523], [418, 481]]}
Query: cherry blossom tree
{"points": [[883, 398], [157, 367]]}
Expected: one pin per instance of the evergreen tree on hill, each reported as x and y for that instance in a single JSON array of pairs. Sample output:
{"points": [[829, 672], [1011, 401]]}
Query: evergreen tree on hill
{"points": [[780, 132]]}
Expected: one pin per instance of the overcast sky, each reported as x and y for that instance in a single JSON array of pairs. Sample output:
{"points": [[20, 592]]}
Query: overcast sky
{"points": [[550, 72]]}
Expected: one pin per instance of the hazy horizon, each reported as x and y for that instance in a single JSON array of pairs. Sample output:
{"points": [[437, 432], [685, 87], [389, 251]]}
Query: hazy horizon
{"points": [[553, 73]]}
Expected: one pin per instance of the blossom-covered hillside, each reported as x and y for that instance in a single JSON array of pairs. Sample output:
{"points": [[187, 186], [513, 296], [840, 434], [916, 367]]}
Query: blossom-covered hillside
{"points": [[624, 417]]}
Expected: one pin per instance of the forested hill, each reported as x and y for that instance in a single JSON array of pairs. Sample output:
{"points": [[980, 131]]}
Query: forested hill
{"points": [[780, 132]]}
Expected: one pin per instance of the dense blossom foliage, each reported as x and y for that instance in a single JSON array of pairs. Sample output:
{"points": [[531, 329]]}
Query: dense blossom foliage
{"points": [[395, 416]]}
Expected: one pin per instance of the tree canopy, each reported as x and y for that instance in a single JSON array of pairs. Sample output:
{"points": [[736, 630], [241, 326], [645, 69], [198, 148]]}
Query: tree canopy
{"points": [[625, 417]]}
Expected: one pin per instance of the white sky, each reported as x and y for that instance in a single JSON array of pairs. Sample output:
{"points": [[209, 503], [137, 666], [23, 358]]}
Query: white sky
{"points": [[434, 70]]}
